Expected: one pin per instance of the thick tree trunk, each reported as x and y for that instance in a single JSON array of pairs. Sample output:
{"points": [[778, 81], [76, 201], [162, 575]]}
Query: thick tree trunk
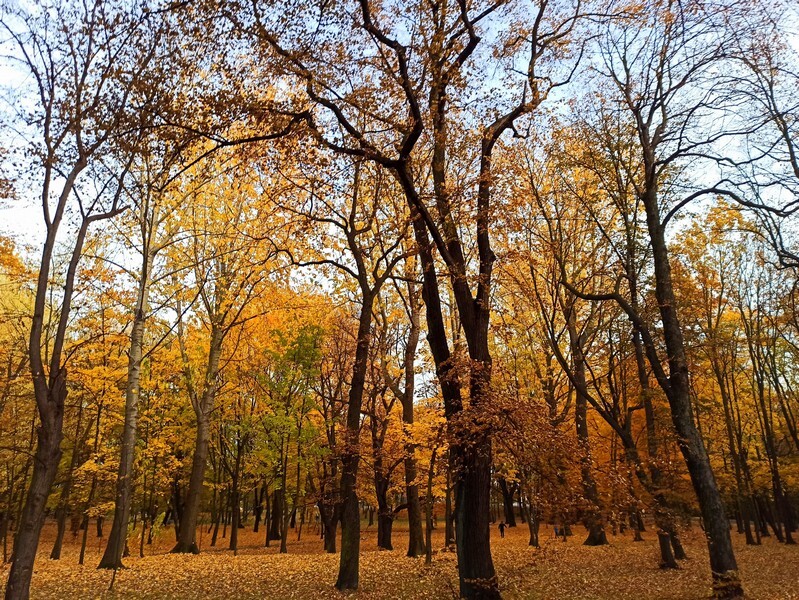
{"points": [[385, 522], [472, 535], [348, 574], [45, 465]]}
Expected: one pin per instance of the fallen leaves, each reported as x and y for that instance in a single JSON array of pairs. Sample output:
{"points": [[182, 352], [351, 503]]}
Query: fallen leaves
{"points": [[557, 570]]}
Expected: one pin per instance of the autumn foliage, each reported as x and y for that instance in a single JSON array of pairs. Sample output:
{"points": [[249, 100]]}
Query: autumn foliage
{"points": [[452, 298]]}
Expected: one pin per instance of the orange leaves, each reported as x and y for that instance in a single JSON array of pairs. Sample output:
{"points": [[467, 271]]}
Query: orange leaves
{"points": [[623, 570]]}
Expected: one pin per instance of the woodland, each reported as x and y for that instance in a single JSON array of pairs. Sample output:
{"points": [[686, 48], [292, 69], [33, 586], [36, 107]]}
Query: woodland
{"points": [[399, 299]]}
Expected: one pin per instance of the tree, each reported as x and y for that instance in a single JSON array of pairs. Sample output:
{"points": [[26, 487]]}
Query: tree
{"points": [[430, 71], [654, 65], [85, 85], [230, 266]]}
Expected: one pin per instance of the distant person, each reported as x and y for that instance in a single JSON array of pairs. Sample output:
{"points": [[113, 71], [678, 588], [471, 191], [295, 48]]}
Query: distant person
{"points": [[502, 529]]}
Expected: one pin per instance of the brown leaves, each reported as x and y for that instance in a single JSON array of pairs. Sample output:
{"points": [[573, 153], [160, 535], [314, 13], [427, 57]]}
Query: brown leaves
{"points": [[558, 570]]}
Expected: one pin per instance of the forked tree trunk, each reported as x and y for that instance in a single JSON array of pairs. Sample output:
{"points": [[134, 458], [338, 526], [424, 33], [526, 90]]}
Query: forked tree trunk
{"points": [[507, 502], [593, 516], [666, 557]]}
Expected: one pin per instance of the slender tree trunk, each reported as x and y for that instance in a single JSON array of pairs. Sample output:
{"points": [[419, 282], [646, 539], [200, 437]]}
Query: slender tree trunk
{"points": [[428, 509], [112, 558], [235, 516], [219, 512], [723, 566], [416, 543], [187, 530], [259, 507], [63, 503], [449, 530]]}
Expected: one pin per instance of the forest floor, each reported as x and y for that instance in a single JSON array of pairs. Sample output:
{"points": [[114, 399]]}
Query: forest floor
{"points": [[562, 570]]}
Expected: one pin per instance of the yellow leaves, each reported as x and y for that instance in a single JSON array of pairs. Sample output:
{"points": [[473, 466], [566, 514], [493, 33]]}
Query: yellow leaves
{"points": [[10, 264]]}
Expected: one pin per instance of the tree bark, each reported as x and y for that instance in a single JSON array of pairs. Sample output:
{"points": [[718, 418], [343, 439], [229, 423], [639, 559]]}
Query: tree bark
{"points": [[507, 502], [724, 568], [45, 465], [203, 406], [348, 575], [112, 558]]}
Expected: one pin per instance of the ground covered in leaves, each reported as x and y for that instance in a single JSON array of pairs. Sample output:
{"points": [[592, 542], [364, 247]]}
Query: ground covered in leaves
{"points": [[624, 569]]}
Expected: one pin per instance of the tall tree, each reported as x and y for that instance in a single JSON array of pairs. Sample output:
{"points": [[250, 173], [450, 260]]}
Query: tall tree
{"points": [[88, 64], [418, 88], [661, 66]]}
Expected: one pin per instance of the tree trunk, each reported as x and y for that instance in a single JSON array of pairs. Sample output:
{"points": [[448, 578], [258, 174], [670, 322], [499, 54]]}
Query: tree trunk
{"points": [[45, 465], [385, 516], [723, 566], [593, 516], [276, 514], [259, 507], [236, 516], [667, 558], [507, 502], [187, 531], [428, 509], [350, 519], [112, 558], [385, 522], [449, 530], [416, 542], [203, 406], [63, 503], [329, 518]]}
